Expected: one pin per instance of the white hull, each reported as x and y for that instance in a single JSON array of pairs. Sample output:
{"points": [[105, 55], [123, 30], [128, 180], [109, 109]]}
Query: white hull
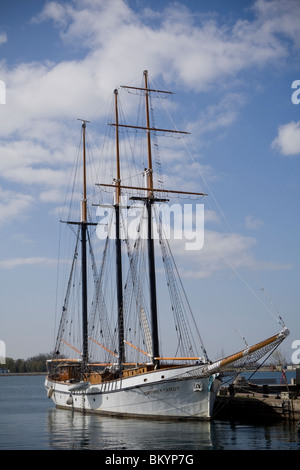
{"points": [[167, 393]]}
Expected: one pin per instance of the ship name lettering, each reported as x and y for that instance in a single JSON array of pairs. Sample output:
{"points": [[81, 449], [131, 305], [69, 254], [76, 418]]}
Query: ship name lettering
{"points": [[162, 390], [171, 389]]}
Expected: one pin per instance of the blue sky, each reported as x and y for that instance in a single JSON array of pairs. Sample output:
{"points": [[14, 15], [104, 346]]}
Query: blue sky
{"points": [[231, 65]]}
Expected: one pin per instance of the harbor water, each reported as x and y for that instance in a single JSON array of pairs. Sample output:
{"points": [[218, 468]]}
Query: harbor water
{"points": [[29, 421]]}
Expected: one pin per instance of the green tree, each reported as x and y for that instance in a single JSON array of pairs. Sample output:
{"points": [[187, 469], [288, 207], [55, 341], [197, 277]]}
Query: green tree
{"points": [[278, 358], [35, 364]]}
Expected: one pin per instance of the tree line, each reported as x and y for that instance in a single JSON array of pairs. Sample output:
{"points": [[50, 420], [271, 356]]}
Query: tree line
{"points": [[33, 364]]}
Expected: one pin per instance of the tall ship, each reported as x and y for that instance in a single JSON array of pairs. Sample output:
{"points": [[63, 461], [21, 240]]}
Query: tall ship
{"points": [[108, 353]]}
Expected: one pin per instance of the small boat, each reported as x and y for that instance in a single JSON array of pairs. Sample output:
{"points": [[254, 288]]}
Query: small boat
{"points": [[117, 367]]}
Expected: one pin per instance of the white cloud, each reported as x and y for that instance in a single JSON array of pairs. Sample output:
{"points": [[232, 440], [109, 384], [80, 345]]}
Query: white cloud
{"points": [[194, 52], [50, 92], [3, 38], [119, 43], [252, 223], [219, 116], [14, 205], [279, 19], [288, 139], [220, 251], [30, 163], [52, 195], [53, 11], [15, 262]]}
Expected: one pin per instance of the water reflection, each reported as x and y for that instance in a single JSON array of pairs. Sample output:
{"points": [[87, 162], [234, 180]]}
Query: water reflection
{"points": [[242, 436], [73, 430]]}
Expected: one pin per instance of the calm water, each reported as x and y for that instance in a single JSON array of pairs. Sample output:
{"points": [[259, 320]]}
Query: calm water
{"points": [[29, 421]]}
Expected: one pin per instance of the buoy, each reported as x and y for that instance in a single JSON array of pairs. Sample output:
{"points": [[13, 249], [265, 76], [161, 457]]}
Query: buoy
{"points": [[50, 392]]}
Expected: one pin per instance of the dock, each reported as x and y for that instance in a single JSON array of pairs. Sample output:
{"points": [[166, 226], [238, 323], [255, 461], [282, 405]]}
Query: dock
{"points": [[249, 401]]}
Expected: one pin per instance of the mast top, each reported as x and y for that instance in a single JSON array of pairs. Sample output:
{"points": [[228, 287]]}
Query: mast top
{"points": [[83, 202], [148, 128], [84, 121], [146, 86]]}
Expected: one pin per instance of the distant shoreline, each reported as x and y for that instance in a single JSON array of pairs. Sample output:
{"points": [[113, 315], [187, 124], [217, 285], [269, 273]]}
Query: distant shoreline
{"points": [[6, 374]]}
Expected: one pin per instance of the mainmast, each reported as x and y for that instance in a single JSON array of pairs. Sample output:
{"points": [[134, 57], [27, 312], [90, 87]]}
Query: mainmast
{"points": [[118, 245], [83, 224], [150, 239], [150, 169], [148, 200]]}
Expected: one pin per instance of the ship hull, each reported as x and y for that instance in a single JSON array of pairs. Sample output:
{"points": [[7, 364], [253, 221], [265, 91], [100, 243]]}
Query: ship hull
{"points": [[173, 393]]}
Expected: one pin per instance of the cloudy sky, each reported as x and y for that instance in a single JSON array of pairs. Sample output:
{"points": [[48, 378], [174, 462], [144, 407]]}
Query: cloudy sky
{"points": [[234, 67]]}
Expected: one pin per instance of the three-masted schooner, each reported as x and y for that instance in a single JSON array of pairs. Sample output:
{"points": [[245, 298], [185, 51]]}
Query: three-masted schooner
{"points": [[155, 386]]}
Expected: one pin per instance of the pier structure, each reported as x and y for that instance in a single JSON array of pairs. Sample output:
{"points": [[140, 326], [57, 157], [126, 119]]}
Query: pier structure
{"points": [[260, 401]]}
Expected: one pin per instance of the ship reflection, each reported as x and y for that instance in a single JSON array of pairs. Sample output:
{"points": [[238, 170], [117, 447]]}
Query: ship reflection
{"points": [[74, 430], [80, 431]]}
